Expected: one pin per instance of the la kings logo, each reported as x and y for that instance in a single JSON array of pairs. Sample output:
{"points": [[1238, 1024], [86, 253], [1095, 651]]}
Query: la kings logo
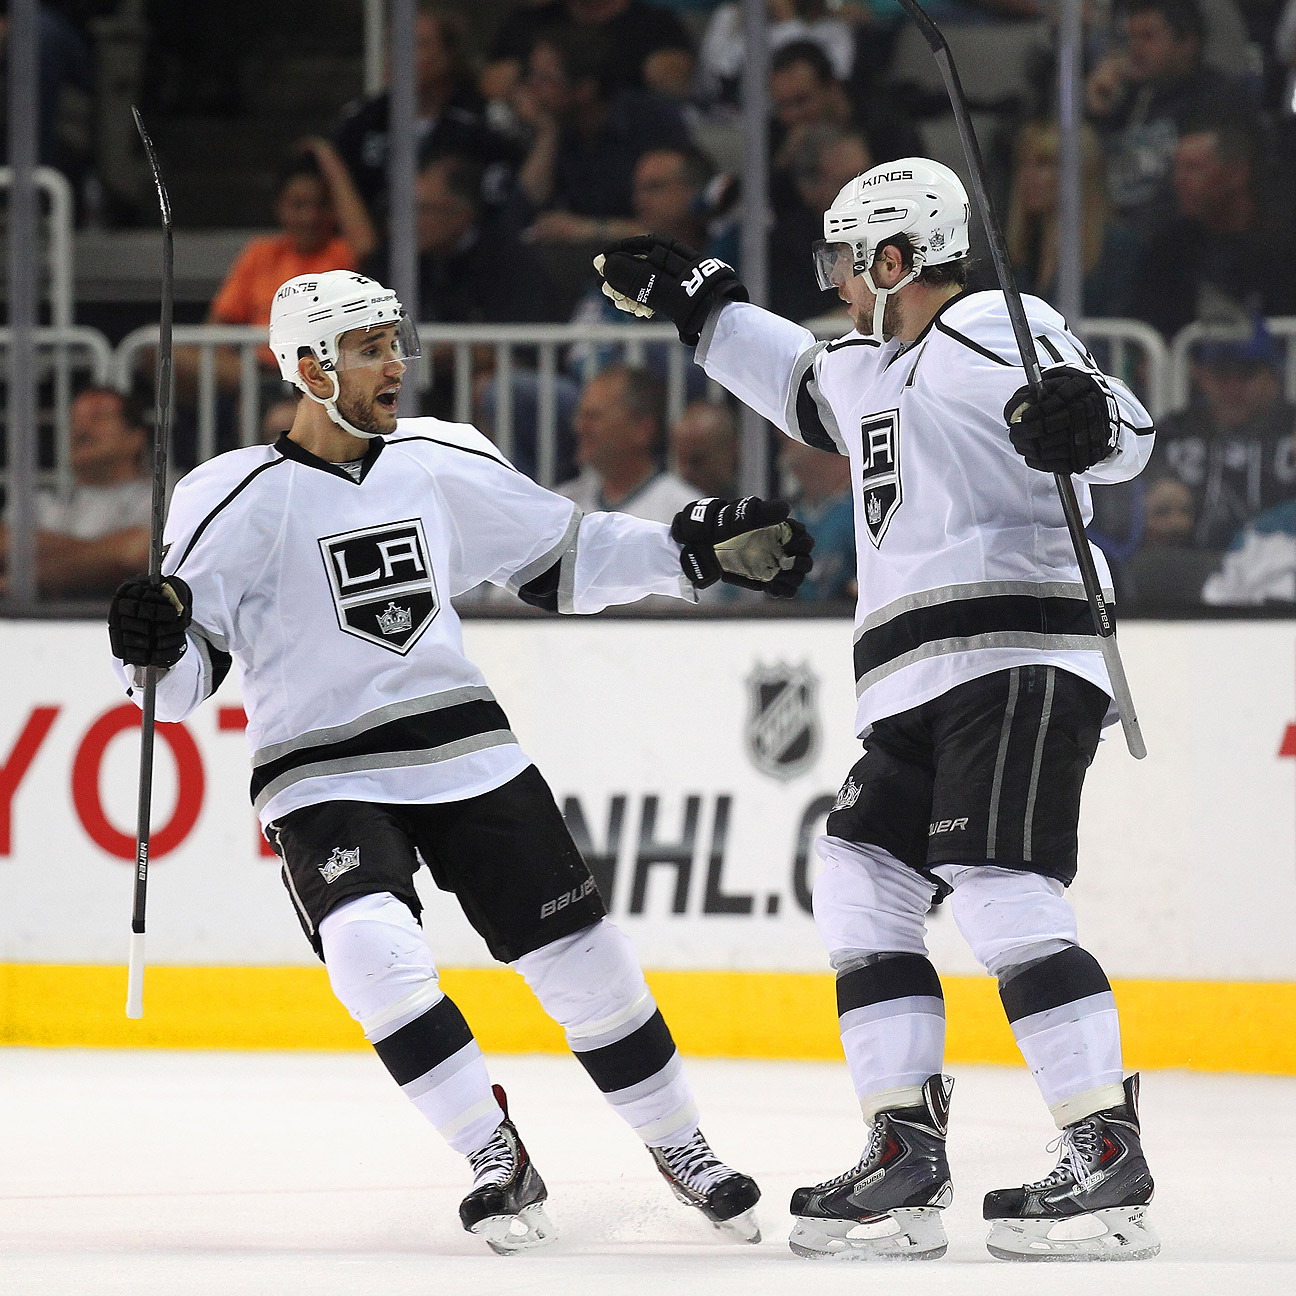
{"points": [[880, 489], [782, 719], [341, 861], [382, 583]]}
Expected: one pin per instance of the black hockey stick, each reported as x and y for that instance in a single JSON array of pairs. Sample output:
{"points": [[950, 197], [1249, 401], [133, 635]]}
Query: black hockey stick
{"points": [[161, 440], [1103, 623]]}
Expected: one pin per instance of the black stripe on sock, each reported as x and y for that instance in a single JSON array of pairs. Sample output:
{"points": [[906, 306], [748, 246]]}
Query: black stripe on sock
{"points": [[631, 1060], [901, 977], [424, 1043], [1061, 978]]}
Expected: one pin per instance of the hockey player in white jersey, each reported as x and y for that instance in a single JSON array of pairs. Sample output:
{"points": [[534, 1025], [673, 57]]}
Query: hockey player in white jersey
{"points": [[981, 693], [324, 565]]}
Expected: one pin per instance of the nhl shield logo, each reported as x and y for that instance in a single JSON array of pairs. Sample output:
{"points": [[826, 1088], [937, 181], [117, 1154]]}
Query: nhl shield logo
{"points": [[382, 583], [782, 719], [880, 489]]}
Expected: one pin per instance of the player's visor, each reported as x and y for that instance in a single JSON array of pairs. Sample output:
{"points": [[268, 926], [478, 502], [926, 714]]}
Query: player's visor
{"points": [[834, 264], [379, 344]]}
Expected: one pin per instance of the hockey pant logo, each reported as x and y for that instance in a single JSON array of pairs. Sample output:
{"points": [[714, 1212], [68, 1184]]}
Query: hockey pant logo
{"points": [[881, 492], [383, 587], [341, 861], [551, 907]]}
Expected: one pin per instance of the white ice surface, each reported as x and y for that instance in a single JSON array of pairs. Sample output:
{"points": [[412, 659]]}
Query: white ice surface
{"points": [[213, 1174]]}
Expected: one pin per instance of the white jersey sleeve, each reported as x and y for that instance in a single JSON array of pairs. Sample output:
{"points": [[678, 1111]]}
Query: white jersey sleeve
{"points": [[772, 366], [510, 531]]}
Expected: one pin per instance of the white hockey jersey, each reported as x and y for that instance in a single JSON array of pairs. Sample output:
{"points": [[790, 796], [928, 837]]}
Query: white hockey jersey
{"points": [[964, 562], [334, 597]]}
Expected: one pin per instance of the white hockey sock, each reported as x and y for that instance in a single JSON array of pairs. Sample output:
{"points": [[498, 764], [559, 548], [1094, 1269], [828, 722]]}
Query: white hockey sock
{"points": [[891, 1013], [591, 984], [381, 969]]}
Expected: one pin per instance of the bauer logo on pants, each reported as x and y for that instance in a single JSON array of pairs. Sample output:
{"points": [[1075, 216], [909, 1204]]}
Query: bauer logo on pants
{"points": [[382, 583], [880, 488], [782, 719]]}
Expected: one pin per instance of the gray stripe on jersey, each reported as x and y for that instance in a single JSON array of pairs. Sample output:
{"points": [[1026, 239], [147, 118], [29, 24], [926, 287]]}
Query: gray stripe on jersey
{"points": [[1001, 759], [1066, 1014], [1045, 716], [977, 589], [386, 760], [926, 1005], [804, 362], [371, 720], [997, 639], [525, 575], [567, 579]]}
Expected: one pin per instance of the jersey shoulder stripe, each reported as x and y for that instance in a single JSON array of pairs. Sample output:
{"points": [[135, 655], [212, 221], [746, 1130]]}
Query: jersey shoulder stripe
{"points": [[966, 341], [451, 445], [242, 485], [852, 341]]}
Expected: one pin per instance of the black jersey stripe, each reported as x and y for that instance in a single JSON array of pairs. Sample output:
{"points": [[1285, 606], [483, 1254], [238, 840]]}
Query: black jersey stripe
{"points": [[967, 619], [1061, 978], [207, 521], [905, 976], [809, 422], [1050, 348], [973, 346], [632, 1060], [845, 342], [450, 445], [421, 733]]}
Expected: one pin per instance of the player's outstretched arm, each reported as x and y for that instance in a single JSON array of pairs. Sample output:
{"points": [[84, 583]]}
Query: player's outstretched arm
{"points": [[750, 542]]}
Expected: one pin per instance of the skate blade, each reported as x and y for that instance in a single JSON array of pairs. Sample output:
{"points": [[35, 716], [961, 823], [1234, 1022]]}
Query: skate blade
{"points": [[1118, 1233], [909, 1233], [742, 1228], [510, 1234]]}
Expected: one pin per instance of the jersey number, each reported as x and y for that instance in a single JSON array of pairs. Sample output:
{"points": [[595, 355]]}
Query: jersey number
{"points": [[881, 492]]}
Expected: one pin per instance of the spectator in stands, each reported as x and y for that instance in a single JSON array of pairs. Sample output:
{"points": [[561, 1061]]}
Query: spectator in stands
{"points": [[805, 93], [1140, 98], [620, 435], [1170, 514], [826, 159], [1109, 249], [1233, 447], [89, 539], [1228, 251], [451, 115], [822, 500], [704, 447], [1260, 566], [647, 47], [588, 133], [472, 270], [721, 53], [323, 225]]}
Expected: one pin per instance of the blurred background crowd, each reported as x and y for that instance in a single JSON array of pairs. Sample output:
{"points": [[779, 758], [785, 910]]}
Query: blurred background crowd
{"points": [[546, 128]]}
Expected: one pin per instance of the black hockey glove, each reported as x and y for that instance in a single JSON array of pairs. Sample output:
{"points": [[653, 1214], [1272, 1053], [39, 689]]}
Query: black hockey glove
{"points": [[1066, 430], [748, 542], [648, 273], [147, 622]]}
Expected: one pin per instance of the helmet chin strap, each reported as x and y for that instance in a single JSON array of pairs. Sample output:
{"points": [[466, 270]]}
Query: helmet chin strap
{"points": [[331, 409], [880, 295]]}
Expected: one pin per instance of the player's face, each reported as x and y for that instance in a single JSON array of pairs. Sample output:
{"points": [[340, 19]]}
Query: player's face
{"points": [[370, 366]]}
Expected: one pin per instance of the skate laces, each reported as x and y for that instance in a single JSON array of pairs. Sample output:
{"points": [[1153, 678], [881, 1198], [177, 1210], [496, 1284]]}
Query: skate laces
{"points": [[694, 1164], [492, 1164], [1079, 1146], [874, 1141]]}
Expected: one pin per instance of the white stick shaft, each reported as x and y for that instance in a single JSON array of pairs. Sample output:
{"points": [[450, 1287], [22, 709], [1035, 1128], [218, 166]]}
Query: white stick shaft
{"points": [[135, 977]]}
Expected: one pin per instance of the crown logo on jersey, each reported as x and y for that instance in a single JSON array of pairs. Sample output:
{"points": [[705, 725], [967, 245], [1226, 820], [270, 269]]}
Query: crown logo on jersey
{"points": [[395, 620], [874, 510], [341, 861], [848, 795]]}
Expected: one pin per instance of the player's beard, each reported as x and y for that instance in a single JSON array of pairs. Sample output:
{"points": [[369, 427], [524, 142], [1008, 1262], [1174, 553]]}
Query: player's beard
{"points": [[365, 413]]}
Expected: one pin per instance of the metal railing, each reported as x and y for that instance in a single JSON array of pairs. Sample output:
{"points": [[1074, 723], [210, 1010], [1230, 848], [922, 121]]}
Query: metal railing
{"points": [[485, 371], [56, 189], [1179, 380], [62, 354]]}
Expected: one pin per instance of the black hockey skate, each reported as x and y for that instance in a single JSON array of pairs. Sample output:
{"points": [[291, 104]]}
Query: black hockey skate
{"points": [[506, 1204], [700, 1179], [888, 1207], [1092, 1206]]}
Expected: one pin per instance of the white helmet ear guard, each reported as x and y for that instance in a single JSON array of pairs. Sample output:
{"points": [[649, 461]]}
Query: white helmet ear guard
{"points": [[313, 312], [917, 197]]}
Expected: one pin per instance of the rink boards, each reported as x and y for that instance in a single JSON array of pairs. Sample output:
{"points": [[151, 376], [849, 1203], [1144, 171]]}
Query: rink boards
{"points": [[695, 762]]}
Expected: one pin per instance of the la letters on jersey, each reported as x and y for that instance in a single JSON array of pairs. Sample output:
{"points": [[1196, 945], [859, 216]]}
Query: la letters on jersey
{"points": [[382, 583], [880, 471]]}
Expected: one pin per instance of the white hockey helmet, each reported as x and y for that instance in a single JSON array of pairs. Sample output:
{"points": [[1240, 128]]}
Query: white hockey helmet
{"points": [[312, 312], [917, 197]]}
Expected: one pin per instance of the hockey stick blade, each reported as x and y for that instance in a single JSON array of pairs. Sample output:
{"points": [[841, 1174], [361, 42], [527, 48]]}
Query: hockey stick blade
{"points": [[1104, 626], [161, 440]]}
